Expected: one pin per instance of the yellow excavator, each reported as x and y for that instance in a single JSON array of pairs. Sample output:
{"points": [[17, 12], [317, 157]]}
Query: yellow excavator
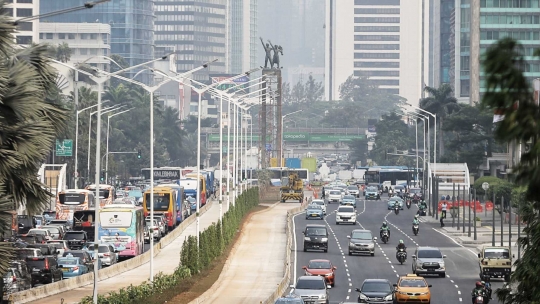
{"points": [[292, 188]]}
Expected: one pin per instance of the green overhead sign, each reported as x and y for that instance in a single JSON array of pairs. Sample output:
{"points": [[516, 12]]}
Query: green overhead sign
{"points": [[64, 147], [298, 137]]}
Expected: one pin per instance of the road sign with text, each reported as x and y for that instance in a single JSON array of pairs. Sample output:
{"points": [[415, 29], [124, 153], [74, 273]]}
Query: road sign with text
{"points": [[64, 147]]}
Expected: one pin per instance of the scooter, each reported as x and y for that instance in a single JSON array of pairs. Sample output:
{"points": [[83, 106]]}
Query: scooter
{"points": [[396, 209], [408, 203], [384, 237], [480, 299], [421, 211], [415, 229], [401, 256]]}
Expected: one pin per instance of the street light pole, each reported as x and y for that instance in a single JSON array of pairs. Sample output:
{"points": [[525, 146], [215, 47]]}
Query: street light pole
{"points": [[281, 152], [107, 150]]}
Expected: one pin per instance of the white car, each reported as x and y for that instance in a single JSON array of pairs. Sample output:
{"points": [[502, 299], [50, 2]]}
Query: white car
{"points": [[334, 196], [345, 214], [321, 203], [153, 226], [44, 232]]}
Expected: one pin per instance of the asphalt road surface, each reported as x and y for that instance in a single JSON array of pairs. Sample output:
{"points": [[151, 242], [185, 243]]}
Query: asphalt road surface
{"points": [[461, 262]]}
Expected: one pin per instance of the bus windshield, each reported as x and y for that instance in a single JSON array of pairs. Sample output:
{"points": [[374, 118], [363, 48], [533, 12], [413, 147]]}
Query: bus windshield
{"points": [[84, 216], [115, 219], [161, 201], [72, 198]]}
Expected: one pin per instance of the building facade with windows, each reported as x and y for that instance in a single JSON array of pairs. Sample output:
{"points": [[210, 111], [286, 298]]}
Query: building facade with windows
{"points": [[378, 39], [27, 32], [519, 19], [243, 37], [131, 22], [198, 30]]}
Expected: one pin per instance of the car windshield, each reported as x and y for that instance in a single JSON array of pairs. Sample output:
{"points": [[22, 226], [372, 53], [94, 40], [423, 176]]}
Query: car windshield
{"points": [[52, 229], [310, 284], [68, 261], [335, 192], [429, 254], [496, 254], [79, 254], [315, 231], [57, 245], [361, 235], [412, 283], [349, 197], [371, 189], [345, 209], [23, 253], [352, 188], [103, 249], [37, 232], [316, 207], [74, 236], [376, 287], [319, 265], [318, 202], [35, 263]]}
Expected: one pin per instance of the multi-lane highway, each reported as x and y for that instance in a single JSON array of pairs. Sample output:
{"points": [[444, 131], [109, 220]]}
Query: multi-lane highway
{"points": [[461, 262]]}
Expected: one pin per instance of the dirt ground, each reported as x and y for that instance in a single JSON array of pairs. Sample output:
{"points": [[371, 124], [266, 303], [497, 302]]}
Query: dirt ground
{"points": [[198, 284]]}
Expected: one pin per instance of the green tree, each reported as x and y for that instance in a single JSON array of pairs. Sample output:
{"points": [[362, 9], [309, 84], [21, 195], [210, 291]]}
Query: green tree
{"points": [[63, 52], [509, 91], [29, 125], [298, 93], [359, 149], [442, 103], [314, 90], [118, 95], [392, 135]]}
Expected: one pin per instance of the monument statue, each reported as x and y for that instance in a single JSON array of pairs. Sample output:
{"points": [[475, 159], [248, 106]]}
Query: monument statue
{"points": [[268, 56], [277, 49]]}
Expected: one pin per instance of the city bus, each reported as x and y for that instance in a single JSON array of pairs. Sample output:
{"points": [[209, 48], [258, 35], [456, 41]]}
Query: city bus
{"points": [[164, 203], [183, 209], [123, 226], [71, 200], [391, 176], [84, 220], [106, 193], [202, 186]]}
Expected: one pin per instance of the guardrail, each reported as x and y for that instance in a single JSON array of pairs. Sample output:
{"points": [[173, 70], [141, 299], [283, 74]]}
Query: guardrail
{"points": [[285, 281], [44, 291]]}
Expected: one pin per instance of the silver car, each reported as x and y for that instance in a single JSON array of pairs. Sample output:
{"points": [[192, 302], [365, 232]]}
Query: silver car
{"points": [[107, 254], [361, 241], [428, 260], [312, 289]]}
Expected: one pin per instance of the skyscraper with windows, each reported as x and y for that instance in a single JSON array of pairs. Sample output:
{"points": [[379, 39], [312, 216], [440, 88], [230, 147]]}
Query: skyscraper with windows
{"points": [[131, 21], [519, 19], [243, 38], [197, 29], [378, 39], [27, 32]]}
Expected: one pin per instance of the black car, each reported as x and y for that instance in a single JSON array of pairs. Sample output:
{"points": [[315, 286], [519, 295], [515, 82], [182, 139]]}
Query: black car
{"points": [[84, 255], [316, 238], [76, 239], [376, 291], [46, 249], [24, 223], [44, 270]]}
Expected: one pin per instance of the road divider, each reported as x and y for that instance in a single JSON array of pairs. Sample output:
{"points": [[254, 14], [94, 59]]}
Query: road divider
{"points": [[285, 281], [44, 291]]}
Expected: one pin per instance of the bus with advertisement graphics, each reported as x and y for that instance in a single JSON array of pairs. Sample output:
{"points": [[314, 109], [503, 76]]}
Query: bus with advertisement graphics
{"points": [[71, 200], [122, 226]]}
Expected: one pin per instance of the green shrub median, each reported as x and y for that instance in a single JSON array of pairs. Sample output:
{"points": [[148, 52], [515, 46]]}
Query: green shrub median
{"points": [[212, 243]]}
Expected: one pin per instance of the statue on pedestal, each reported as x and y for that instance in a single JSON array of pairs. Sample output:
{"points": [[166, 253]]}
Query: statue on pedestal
{"points": [[277, 50], [268, 56]]}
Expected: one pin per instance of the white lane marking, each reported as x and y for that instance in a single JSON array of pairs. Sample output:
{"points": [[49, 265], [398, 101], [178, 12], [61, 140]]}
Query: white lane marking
{"points": [[460, 300], [295, 247], [399, 229], [452, 239], [458, 292]]}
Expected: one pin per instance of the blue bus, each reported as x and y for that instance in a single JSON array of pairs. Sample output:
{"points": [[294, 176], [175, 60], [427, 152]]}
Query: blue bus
{"points": [[183, 209]]}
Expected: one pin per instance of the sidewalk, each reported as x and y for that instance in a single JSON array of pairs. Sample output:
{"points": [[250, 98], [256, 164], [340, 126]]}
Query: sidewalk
{"points": [[166, 261], [254, 268]]}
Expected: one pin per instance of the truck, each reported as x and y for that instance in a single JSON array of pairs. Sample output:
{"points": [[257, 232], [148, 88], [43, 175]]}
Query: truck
{"points": [[292, 188], [345, 175], [495, 262]]}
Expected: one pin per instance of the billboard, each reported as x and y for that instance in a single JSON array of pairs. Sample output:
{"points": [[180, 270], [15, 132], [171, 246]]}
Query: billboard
{"points": [[227, 82], [371, 125]]}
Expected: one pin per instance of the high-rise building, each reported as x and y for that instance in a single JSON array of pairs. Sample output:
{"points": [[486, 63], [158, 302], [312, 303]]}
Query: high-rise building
{"points": [[443, 44], [198, 31], [378, 39], [519, 19], [131, 21], [27, 32], [242, 36]]}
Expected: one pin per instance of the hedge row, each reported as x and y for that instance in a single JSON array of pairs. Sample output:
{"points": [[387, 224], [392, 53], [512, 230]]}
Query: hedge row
{"points": [[212, 242]]}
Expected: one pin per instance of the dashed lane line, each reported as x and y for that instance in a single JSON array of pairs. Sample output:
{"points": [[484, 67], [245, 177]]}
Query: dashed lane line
{"points": [[341, 252]]}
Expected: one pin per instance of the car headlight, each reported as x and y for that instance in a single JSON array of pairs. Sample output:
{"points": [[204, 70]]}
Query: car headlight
{"points": [[351, 244], [371, 245], [419, 265], [323, 297], [324, 239], [363, 297], [307, 238], [388, 298], [424, 293], [402, 292]]}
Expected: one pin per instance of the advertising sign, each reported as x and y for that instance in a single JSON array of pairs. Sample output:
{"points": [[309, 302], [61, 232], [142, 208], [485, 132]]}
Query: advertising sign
{"points": [[371, 125], [296, 136], [162, 174]]}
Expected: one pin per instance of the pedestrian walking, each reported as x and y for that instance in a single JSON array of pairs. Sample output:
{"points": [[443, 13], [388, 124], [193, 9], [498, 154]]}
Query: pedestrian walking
{"points": [[442, 220], [443, 209]]}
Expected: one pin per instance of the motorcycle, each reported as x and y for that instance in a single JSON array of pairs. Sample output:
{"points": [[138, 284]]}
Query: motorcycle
{"points": [[421, 211], [480, 299], [396, 209], [401, 256], [384, 237], [415, 229], [408, 203]]}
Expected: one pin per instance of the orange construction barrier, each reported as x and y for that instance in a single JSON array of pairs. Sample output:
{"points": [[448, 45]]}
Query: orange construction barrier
{"points": [[489, 206], [315, 195]]}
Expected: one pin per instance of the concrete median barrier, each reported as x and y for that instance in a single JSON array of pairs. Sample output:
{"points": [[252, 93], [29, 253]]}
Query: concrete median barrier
{"points": [[44, 291]]}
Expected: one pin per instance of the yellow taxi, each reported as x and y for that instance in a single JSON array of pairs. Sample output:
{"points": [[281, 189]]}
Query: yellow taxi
{"points": [[412, 289]]}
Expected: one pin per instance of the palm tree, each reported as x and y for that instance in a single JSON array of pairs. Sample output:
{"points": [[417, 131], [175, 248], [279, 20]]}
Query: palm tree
{"points": [[442, 103], [29, 124], [117, 95], [63, 52]]}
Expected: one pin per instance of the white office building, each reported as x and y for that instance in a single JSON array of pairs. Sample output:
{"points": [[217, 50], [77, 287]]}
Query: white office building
{"points": [[378, 39], [242, 40], [27, 32]]}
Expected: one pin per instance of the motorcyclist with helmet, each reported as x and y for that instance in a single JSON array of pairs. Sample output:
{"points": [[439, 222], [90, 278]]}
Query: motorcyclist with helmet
{"points": [[385, 227], [477, 291], [422, 206], [400, 246], [415, 220], [487, 288]]}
